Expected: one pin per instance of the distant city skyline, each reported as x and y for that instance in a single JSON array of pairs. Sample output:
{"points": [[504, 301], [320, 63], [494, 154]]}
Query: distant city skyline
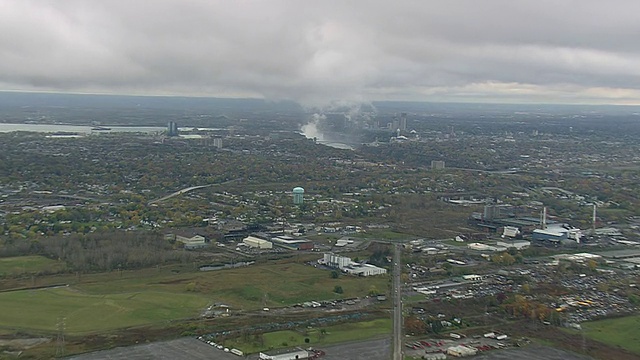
{"points": [[494, 51]]}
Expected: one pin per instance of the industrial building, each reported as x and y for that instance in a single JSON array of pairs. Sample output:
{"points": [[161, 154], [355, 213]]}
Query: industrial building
{"points": [[289, 355], [345, 264], [557, 233], [364, 270], [511, 232], [335, 261], [257, 243], [516, 244], [495, 217], [194, 242], [484, 247], [461, 351], [474, 278], [291, 243]]}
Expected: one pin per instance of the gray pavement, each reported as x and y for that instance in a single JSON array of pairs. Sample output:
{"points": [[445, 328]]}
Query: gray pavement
{"points": [[364, 350], [185, 348], [379, 349], [532, 352]]}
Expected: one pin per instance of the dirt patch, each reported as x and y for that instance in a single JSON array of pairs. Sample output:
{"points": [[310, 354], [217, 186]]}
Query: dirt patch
{"points": [[22, 344]]}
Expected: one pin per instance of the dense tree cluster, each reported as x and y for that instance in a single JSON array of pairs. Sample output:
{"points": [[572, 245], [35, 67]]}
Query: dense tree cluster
{"points": [[110, 250]]}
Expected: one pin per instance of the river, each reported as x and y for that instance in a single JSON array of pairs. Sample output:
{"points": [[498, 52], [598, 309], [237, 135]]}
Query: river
{"points": [[79, 129]]}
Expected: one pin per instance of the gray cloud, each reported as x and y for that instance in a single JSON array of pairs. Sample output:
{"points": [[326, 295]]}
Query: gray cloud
{"points": [[317, 52]]}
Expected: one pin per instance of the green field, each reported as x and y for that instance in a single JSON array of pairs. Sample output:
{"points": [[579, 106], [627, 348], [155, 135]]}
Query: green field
{"points": [[317, 337], [250, 288], [41, 309], [29, 264], [96, 302], [623, 332]]}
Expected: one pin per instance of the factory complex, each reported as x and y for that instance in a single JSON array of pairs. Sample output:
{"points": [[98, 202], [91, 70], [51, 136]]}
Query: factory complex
{"points": [[346, 265]]}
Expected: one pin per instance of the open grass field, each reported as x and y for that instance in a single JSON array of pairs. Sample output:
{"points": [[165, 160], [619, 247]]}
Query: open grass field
{"points": [[252, 287], [96, 302], [41, 309], [29, 264], [623, 332], [331, 335]]}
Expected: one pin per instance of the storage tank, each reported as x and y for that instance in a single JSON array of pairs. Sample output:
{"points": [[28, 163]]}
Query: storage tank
{"points": [[298, 195]]}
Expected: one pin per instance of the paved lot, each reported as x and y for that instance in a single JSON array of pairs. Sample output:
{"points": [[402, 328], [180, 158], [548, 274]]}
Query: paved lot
{"points": [[185, 348], [532, 352], [365, 350], [190, 348]]}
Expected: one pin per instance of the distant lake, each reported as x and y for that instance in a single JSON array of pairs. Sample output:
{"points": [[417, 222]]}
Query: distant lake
{"points": [[51, 128], [337, 145]]}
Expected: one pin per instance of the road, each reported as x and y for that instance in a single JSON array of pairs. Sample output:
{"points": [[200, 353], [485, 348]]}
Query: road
{"points": [[186, 190], [397, 303]]}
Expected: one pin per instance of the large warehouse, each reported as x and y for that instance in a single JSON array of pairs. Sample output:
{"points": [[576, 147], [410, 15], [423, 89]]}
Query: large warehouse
{"points": [[290, 243], [257, 243], [345, 264], [292, 355], [364, 270]]}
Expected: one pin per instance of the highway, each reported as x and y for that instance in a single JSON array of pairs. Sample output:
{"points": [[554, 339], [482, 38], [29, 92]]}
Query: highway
{"points": [[186, 190], [397, 303]]}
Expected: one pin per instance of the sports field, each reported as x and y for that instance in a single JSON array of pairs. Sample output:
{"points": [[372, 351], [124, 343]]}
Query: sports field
{"points": [[623, 332]]}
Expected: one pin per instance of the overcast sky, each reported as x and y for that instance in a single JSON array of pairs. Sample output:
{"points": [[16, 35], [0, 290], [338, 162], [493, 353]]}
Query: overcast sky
{"points": [[582, 51]]}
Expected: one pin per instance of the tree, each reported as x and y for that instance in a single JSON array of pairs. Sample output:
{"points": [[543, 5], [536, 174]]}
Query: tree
{"points": [[335, 274], [338, 289], [414, 326]]}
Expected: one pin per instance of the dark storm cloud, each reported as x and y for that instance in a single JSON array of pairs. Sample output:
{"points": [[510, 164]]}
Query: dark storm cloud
{"points": [[314, 52]]}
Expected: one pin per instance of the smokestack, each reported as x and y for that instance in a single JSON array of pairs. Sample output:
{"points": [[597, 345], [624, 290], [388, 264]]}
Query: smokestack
{"points": [[544, 218], [594, 217]]}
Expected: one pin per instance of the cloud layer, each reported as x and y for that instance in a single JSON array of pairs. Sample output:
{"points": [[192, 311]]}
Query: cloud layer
{"points": [[576, 51]]}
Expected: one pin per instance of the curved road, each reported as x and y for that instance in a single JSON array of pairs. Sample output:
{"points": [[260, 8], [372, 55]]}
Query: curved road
{"points": [[186, 190]]}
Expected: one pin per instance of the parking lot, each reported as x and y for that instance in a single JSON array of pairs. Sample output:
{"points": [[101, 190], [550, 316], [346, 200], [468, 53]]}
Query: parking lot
{"points": [[180, 349], [532, 352]]}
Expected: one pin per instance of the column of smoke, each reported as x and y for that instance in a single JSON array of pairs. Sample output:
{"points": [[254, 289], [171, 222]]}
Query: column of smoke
{"points": [[310, 129], [355, 118]]}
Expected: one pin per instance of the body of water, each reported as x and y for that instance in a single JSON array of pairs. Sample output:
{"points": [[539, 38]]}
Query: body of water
{"points": [[79, 129]]}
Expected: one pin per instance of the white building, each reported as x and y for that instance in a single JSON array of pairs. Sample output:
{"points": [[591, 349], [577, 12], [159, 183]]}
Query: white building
{"points": [[257, 243], [365, 270], [519, 245], [345, 264], [293, 355], [194, 242], [510, 231], [474, 278], [461, 351], [485, 247], [336, 261]]}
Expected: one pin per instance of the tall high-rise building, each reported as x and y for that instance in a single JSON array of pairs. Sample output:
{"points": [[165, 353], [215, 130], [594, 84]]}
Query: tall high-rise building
{"points": [[172, 129], [403, 122], [217, 142]]}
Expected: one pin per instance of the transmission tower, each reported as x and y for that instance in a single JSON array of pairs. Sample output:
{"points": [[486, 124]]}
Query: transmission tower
{"points": [[60, 338]]}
